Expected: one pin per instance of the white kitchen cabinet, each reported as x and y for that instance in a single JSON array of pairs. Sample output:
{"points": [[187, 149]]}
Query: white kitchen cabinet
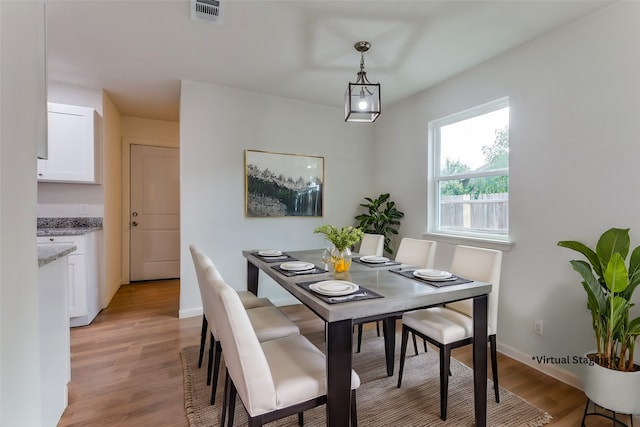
{"points": [[73, 142], [83, 284]]}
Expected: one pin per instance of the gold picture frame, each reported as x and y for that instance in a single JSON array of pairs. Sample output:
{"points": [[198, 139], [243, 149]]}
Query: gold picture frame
{"points": [[282, 185]]}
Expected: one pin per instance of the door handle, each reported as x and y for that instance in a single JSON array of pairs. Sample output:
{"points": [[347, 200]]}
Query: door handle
{"points": [[135, 224]]}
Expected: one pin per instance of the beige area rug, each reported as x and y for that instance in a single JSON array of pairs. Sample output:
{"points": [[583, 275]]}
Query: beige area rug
{"points": [[380, 403]]}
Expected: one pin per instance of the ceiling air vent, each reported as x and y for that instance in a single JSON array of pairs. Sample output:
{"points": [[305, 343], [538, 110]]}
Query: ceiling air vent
{"points": [[206, 10]]}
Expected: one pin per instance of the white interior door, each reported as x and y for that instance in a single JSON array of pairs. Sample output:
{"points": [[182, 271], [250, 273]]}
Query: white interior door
{"points": [[155, 213]]}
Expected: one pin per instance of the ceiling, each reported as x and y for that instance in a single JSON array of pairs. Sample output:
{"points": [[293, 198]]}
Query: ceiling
{"points": [[139, 50]]}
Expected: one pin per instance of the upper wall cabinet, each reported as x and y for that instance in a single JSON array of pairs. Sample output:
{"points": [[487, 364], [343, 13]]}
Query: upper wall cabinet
{"points": [[73, 142]]}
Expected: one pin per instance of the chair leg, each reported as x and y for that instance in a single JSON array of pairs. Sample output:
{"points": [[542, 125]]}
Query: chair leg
{"points": [[300, 419], [354, 410], [445, 359], [378, 327], [210, 362], [203, 339], [403, 353], [225, 398], [494, 367], [232, 402], [359, 337], [216, 370], [424, 342], [415, 344]]}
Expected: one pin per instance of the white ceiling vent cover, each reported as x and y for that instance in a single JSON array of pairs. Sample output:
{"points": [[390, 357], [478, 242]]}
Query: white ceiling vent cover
{"points": [[206, 10]]}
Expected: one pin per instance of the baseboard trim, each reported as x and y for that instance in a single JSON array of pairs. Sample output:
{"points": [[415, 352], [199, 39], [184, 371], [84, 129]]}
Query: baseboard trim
{"points": [[552, 370], [190, 312]]}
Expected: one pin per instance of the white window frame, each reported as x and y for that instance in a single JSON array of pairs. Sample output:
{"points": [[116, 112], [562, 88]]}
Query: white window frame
{"points": [[433, 221]]}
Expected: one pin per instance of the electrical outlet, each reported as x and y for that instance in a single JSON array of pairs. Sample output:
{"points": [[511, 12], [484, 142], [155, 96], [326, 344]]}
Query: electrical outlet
{"points": [[84, 209], [538, 327]]}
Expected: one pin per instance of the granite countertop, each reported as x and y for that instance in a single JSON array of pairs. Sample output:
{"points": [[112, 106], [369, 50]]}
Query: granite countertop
{"points": [[67, 226], [49, 253], [66, 231]]}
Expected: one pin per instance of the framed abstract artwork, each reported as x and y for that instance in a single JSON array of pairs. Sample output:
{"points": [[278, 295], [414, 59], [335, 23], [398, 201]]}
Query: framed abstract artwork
{"points": [[279, 184]]}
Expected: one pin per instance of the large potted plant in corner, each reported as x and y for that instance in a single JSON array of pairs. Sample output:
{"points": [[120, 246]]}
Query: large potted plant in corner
{"points": [[612, 379], [382, 217]]}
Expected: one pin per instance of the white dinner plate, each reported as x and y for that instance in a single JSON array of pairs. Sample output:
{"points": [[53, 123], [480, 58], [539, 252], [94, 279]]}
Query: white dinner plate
{"points": [[334, 287], [296, 266], [431, 274], [374, 259], [270, 252]]}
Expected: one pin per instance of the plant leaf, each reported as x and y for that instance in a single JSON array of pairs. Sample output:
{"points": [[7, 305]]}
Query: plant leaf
{"points": [[618, 315], [611, 241], [584, 250], [595, 294], [615, 275], [634, 327], [634, 273]]}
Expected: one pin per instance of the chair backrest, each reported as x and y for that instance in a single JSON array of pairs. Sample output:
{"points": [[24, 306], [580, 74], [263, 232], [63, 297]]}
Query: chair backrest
{"points": [[243, 354], [483, 265], [202, 263], [417, 252], [372, 244]]}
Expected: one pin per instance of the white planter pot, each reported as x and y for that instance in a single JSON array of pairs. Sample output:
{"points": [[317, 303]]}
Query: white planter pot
{"points": [[613, 390]]}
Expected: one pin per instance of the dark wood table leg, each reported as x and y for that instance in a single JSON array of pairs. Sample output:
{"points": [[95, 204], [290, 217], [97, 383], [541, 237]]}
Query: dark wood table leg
{"points": [[252, 278], [339, 344], [480, 359], [389, 331]]}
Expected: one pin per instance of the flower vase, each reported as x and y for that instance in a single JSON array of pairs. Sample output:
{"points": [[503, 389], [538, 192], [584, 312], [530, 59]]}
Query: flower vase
{"points": [[340, 261]]}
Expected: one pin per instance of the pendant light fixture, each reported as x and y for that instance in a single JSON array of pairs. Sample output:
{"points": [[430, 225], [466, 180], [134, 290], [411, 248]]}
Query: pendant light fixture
{"points": [[362, 99]]}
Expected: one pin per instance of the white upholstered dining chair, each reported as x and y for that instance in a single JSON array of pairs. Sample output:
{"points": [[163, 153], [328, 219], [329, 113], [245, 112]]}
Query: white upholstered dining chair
{"points": [[266, 319], [451, 326], [372, 244], [419, 253], [201, 262], [275, 378]]}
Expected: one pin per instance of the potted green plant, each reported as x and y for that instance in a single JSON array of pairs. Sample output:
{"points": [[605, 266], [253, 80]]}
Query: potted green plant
{"points": [[382, 217], [341, 240], [613, 380]]}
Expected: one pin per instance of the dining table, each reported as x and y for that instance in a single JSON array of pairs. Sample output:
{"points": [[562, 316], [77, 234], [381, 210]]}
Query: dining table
{"points": [[384, 294]]}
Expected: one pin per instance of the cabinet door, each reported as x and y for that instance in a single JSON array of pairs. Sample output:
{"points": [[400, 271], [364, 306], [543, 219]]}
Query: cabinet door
{"points": [[71, 145], [77, 274], [77, 286]]}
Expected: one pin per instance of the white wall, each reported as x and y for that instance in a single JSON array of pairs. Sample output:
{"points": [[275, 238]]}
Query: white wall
{"points": [[22, 100], [574, 150], [217, 125]]}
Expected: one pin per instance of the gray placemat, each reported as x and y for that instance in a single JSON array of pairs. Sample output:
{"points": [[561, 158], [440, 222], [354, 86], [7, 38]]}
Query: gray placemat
{"points": [[408, 272], [376, 264], [291, 273], [282, 258], [368, 294]]}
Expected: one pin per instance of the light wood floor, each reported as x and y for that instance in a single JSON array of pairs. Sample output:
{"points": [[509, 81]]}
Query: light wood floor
{"points": [[126, 370]]}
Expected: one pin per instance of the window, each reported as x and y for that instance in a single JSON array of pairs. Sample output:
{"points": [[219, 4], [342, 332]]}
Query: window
{"points": [[469, 192]]}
